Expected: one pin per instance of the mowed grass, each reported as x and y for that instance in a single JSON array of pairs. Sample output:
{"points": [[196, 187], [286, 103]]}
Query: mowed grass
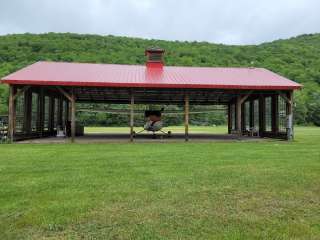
{"points": [[219, 190]]}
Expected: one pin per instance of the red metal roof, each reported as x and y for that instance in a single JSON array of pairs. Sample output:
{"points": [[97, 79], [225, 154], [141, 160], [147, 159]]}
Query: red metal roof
{"points": [[112, 75]]}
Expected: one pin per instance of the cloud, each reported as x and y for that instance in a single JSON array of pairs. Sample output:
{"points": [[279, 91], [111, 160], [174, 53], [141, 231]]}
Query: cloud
{"points": [[228, 21]]}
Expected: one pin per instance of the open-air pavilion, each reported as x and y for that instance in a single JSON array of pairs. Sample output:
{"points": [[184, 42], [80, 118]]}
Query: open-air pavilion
{"points": [[43, 95]]}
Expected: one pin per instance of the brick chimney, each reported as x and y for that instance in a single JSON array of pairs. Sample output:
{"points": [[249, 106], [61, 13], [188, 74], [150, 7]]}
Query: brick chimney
{"points": [[154, 57]]}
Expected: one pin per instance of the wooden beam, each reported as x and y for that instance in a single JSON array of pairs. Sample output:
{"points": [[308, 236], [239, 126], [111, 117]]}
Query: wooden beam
{"points": [[66, 114], [40, 112], [131, 116], [20, 91], [275, 114], [12, 109], [64, 93], [186, 117], [288, 100], [262, 125], [245, 97], [60, 109], [251, 113], [40, 120], [229, 119], [243, 117], [27, 112], [51, 114], [69, 110], [73, 116], [239, 112], [239, 115]]}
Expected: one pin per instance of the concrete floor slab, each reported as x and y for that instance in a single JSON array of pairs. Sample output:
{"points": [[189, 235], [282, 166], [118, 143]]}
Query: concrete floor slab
{"points": [[143, 138]]}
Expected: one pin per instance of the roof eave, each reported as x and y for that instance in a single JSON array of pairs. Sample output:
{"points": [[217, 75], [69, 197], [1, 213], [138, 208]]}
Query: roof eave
{"points": [[145, 85]]}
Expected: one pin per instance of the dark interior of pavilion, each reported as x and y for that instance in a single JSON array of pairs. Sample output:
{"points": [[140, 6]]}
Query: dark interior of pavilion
{"points": [[46, 113]]}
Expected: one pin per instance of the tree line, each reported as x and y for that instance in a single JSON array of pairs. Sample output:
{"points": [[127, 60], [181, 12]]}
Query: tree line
{"points": [[295, 58]]}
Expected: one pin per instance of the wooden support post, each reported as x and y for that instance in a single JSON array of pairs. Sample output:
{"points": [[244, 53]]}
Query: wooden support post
{"points": [[27, 112], [243, 117], [239, 110], [239, 116], [66, 114], [288, 97], [51, 114], [68, 107], [275, 115], [69, 110], [252, 114], [229, 118], [131, 116], [13, 95], [40, 120], [262, 107], [289, 110], [12, 110], [59, 113], [186, 117], [73, 116]]}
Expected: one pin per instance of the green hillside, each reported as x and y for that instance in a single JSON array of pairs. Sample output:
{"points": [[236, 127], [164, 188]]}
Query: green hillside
{"points": [[296, 58]]}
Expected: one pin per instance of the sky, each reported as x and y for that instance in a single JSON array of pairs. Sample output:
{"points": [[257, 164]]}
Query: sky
{"points": [[229, 21]]}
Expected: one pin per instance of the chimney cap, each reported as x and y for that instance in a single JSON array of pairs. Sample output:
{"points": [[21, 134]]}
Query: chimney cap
{"points": [[154, 50], [154, 57]]}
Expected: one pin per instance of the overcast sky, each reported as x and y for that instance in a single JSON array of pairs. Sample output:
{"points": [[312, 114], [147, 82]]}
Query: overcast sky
{"points": [[226, 21]]}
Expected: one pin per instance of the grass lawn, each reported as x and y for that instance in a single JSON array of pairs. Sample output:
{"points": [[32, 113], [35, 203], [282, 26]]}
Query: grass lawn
{"points": [[233, 190]]}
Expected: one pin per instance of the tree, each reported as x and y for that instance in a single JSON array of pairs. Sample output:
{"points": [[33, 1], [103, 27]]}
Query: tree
{"points": [[296, 58]]}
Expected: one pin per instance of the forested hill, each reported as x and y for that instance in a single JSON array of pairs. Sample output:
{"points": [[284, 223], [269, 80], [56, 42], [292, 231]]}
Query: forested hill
{"points": [[296, 58]]}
